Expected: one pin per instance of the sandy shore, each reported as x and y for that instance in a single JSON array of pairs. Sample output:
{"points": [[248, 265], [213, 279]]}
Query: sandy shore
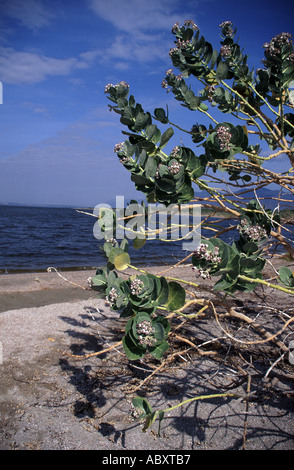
{"points": [[50, 399], [42, 288]]}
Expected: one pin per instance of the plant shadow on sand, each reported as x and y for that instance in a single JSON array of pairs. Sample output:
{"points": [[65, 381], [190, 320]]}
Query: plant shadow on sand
{"points": [[261, 418]]}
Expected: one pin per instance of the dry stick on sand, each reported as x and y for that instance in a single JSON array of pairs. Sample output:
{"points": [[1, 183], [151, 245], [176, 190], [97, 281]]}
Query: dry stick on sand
{"points": [[169, 358], [233, 314], [49, 270], [97, 353]]}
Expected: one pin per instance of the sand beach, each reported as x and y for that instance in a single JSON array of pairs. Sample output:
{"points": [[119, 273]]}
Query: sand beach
{"points": [[58, 393]]}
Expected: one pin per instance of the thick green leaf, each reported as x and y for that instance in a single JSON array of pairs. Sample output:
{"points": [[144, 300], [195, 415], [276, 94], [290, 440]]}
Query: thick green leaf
{"points": [[138, 243], [142, 404], [151, 167], [222, 70], [224, 283], [121, 261], [176, 296], [140, 180], [159, 351], [113, 252], [122, 103], [153, 133], [164, 322], [166, 136], [158, 331], [160, 115], [163, 296], [196, 166], [166, 184], [141, 121], [133, 352], [214, 57], [286, 276], [98, 280], [251, 267], [249, 248]]}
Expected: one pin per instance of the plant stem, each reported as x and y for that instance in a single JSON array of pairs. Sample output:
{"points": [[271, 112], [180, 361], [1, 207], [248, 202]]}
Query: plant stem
{"points": [[201, 397], [265, 283]]}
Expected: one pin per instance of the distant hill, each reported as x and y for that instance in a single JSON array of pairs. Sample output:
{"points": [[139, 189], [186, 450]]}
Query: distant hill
{"points": [[268, 198]]}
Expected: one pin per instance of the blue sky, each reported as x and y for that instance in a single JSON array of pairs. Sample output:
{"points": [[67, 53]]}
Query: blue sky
{"points": [[56, 56]]}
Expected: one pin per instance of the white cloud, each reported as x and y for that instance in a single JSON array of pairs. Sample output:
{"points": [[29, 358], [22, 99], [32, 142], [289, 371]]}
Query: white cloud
{"points": [[26, 67], [138, 15], [141, 50], [33, 14], [143, 27]]}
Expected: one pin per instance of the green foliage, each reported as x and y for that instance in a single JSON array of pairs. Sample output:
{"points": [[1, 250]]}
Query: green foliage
{"points": [[138, 341], [138, 298], [226, 140], [230, 264], [286, 277], [242, 258], [226, 83], [142, 410]]}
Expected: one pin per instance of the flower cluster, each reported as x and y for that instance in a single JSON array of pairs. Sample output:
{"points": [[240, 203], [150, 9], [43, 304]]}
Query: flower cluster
{"points": [[175, 27], [174, 168], [251, 232], [226, 51], [179, 45], [118, 147], [111, 297], [187, 24], [191, 24], [111, 240], [210, 90], [124, 159], [145, 332], [177, 78], [274, 47], [110, 85], [211, 258], [223, 136], [227, 29], [202, 252], [203, 273], [275, 50], [136, 286], [164, 84], [175, 151]]}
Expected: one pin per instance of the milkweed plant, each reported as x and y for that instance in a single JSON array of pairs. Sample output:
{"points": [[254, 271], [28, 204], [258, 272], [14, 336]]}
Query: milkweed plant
{"points": [[258, 119]]}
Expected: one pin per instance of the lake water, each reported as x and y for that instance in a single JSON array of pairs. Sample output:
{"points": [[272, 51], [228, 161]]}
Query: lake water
{"points": [[34, 238]]}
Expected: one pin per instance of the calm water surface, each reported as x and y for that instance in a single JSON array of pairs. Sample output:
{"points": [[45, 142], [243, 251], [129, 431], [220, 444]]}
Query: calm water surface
{"points": [[34, 238]]}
